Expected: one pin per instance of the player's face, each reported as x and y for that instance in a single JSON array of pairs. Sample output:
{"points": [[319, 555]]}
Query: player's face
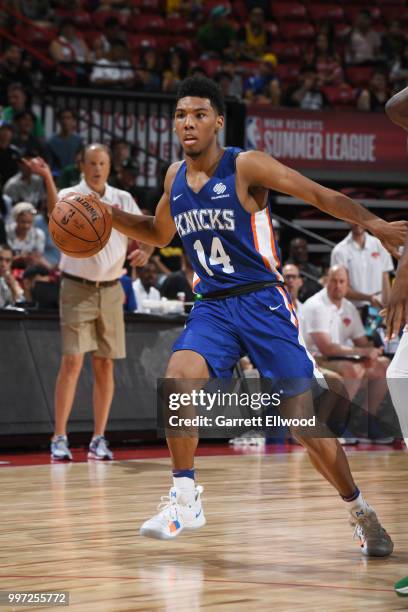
{"points": [[196, 124], [96, 168]]}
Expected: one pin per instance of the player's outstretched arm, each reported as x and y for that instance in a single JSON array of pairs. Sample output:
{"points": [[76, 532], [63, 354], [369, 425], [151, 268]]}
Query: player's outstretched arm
{"points": [[260, 170], [397, 108], [156, 231]]}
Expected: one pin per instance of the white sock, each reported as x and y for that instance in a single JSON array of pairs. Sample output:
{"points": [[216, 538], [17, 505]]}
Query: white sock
{"points": [[186, 486], [357, 505]]}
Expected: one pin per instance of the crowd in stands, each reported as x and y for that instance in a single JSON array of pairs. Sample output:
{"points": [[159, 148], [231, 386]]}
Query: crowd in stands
{"points": [[309, 55], [294, 54]]}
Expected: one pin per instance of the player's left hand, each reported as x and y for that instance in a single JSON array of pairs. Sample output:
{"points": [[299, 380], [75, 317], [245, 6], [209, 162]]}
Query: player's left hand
{"points": [[138, 258], [397, 309], [392, 235]]}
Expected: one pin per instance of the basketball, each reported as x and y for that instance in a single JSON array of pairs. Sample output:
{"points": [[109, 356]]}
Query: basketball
{"points": [[79, 225]]}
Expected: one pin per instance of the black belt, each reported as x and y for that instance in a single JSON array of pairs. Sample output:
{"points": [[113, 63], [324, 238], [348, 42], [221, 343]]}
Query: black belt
{"points": [[239, 290], [85, 281]]}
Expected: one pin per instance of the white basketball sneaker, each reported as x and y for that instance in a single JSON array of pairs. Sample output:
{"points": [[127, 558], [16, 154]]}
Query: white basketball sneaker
{"points": [[374, 540], [175, 514]]}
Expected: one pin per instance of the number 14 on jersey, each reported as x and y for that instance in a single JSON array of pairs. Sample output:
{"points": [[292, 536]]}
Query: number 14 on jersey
{"points": [[218, 257]]}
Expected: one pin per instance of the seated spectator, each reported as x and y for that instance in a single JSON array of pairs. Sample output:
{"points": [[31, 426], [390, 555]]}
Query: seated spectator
{"points": [[376, 95], [121, 154], [63, 146], [363, 45], [68, 47], [31, 276], [217, 37], [398, 75], [191, 9], [226, 84], [126, 178], [71, 175], [26, 241], [9, 154], [148, 75], [393, 41], [145, 286], [179, 282], [334, 332], [325, 61], [24, 138], [263, 86], [25, 186], [13, 70], [235, 85], [114, 70], [254, 39], [176, 69], [307, 93], [17, 102], [299, 255], [368, 265], [10, 290], [37, 10], [294, 282], [51, 253], [111, 32]]}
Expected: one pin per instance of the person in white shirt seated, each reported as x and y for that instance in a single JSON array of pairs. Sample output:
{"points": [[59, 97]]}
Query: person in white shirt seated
{"points": [[116, 69], [368, 265], [335, 335], [145, 286]]}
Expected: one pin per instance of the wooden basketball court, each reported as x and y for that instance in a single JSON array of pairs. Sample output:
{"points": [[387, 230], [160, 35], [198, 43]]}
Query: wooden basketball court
{"points": [[276, 538]]}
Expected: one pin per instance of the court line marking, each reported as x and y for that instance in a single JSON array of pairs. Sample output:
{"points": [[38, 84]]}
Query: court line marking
{"points": [[216, 580]]}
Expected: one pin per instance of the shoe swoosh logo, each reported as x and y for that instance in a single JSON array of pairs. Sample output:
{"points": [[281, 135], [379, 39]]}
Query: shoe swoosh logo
{"points": [[275, 307], [198, 514], [177, 197]]}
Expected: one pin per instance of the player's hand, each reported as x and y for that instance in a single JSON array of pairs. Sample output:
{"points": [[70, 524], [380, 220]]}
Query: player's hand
{"points": [[37, 165], [392, 235], [397, 309], [138, 258]]}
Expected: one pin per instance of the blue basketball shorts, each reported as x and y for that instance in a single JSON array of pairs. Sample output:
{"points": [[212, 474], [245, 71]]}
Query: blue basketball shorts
{"points": [[263, 325]]}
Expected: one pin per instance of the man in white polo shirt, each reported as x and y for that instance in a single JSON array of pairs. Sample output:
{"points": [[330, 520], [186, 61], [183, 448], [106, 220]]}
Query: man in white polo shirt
{"points": [[368, 265], [333, 328], [91, 305]]}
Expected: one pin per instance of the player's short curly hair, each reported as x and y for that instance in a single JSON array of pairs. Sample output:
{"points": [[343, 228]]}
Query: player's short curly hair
{"points": [[202, 87]]}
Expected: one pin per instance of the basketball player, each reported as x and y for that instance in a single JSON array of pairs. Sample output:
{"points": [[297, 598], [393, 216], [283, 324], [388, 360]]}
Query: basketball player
{"points": [[397, 311], [218, 202]]}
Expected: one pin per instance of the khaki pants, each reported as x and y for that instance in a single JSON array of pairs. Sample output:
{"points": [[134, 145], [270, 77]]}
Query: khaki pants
{"points": [[92, 319]]}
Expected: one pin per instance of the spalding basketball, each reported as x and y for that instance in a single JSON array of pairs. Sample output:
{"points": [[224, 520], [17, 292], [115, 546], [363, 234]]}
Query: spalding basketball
{"points": [[80, 225]]}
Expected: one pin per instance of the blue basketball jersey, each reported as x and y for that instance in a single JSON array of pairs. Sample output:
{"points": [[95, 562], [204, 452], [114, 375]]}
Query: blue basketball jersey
{"points": [[227, 246]]}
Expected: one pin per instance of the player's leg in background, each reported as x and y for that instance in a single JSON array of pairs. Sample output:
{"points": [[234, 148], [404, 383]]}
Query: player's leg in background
{"points": [[397, 378]]}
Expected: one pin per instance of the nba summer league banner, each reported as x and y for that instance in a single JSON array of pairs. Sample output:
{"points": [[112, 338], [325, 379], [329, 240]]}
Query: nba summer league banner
{"points": [[318, 408]]}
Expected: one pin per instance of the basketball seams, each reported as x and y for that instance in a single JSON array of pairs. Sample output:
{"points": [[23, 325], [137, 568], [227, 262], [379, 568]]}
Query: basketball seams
{"points": [[75, 235], [84, 216], [96, 204], [68, 236], [92, 246]]}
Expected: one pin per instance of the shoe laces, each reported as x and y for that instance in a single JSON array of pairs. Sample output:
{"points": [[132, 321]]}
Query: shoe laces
{"points": [[61, 441], [100, 442], [367, 526]]}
